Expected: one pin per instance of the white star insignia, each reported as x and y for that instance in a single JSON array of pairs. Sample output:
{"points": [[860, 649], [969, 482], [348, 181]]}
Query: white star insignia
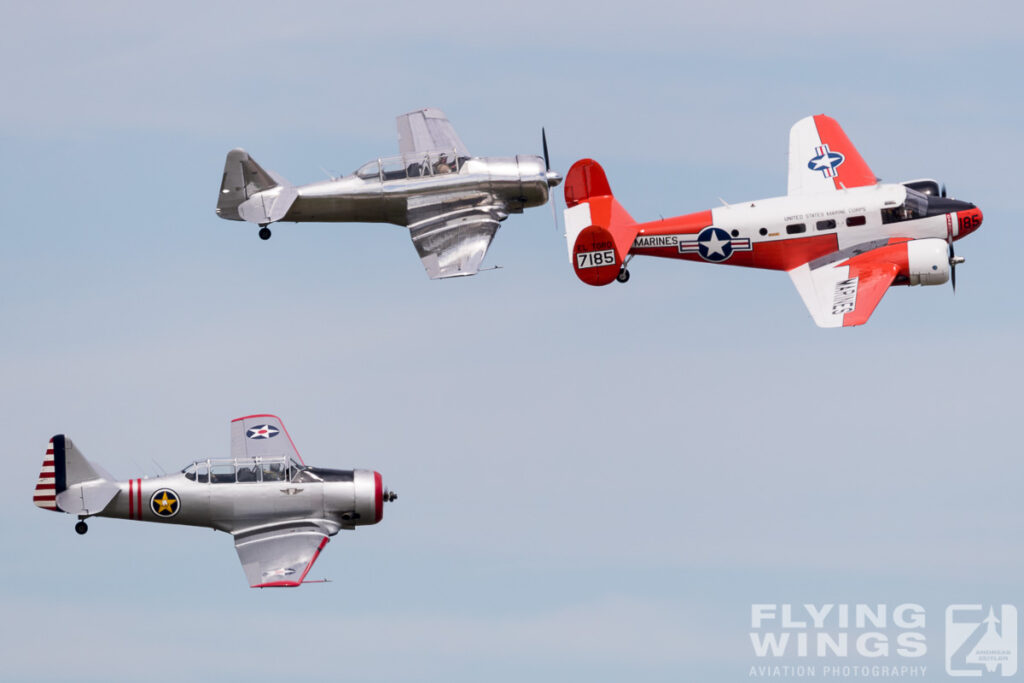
{"points": [[715, 245]]}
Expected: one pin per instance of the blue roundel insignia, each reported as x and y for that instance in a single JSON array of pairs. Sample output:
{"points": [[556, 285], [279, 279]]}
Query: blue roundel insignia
{"points": [[826, 161], [262, 432], [714, 244]]}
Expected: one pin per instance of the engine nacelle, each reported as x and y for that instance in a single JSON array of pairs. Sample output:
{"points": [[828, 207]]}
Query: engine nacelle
{"points": [[928, 262], [369, 497], [353, 497]]}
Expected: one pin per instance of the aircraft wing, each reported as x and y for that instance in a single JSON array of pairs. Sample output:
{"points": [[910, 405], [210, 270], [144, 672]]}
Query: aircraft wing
{"points": [[428, 130], [822, 158], [843, 289], [452, 233], [261, 436], [281, 555]]}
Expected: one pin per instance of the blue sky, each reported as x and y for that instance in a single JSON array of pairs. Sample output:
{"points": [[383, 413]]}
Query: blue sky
{"points": [[595, 483]]}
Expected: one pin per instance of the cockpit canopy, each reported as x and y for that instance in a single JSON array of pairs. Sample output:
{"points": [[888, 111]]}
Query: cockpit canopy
{"points": [[926, 186], [411, 166], [255, 470], [915, 205]]}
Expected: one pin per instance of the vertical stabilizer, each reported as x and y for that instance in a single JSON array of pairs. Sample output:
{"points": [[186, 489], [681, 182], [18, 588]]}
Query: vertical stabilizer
{"points": [[51, 476], [70, 483]]}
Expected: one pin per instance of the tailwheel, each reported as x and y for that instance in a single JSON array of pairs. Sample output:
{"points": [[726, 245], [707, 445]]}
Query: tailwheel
{"points": [[264, 233], [81, 528], [623, 276]]}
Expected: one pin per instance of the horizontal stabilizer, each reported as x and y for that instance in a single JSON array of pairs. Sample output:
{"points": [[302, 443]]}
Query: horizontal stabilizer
{"points": [[269, 206]]}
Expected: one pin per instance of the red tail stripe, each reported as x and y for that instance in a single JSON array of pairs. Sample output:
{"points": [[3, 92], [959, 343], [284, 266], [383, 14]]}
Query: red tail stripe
{"points": [[43, 487], [48, 463]]}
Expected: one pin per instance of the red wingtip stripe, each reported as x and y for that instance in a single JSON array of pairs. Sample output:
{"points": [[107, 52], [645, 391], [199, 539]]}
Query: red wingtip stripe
{"points": [[292, 584]]}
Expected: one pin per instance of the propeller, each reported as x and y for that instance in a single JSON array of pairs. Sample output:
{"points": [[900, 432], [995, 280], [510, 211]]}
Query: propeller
{"points": [[954, 260], [553, 178], [943, 192]]}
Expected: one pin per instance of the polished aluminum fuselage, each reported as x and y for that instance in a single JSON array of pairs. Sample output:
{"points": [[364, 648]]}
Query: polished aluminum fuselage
{"points": [[518, 183], [235, 505]]}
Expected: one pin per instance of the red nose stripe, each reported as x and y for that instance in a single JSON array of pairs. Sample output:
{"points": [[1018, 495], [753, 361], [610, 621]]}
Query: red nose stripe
{"points": [[378, 497]]}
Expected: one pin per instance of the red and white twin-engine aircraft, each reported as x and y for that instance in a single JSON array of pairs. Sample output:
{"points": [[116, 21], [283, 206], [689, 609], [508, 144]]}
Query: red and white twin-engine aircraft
{"points": [[843, 236]]}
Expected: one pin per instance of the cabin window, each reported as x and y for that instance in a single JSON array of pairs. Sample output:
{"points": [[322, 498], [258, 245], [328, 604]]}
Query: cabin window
{"points": [[854, 221], [247, 471], [370, 171], [795, 228], [914, 206], [274, 471], [202, 472], [222, 474], [827, 224], [394, 169]]}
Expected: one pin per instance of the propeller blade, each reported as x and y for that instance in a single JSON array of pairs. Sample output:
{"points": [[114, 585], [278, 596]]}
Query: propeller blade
{"points": [[544, 141], [554, 209], [943, 189], [952, 265]]}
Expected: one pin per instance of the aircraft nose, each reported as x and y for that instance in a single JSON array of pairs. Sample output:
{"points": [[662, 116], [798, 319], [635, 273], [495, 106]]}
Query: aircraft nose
{"points": [[968, 221]]}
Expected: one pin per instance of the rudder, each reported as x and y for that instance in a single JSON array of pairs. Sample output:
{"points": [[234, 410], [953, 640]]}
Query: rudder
{"points": [[52, 480], [598, 231]]}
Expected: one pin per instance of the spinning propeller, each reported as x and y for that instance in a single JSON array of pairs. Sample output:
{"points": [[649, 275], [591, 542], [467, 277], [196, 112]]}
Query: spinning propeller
{"points": [[553, 178], [954, 260]]}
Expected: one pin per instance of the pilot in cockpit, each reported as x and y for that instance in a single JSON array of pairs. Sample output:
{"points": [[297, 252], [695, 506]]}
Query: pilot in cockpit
{"points": [[273, 472], [442, 165]]}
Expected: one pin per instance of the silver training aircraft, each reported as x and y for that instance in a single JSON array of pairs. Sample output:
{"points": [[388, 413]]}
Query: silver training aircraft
{"points": [[451, 202], [280, 511]]}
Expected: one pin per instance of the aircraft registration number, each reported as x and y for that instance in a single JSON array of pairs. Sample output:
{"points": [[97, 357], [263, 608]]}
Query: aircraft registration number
{"points": [[595, 259]]}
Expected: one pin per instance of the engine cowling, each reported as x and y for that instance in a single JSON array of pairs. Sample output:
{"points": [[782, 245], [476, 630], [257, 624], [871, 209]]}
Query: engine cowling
{"points": [[369, 497], [928, 262]]}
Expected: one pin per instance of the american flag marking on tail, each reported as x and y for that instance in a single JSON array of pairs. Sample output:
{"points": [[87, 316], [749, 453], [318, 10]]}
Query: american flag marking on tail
{"points": [[45, 494]]}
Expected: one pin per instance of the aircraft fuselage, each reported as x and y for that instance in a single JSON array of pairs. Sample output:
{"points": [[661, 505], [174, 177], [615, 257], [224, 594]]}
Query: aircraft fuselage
{"points": [[781, 233], [520, 182]]}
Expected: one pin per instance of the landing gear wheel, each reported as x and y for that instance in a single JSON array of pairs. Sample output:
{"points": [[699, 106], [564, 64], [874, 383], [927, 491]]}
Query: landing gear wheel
{"points": [[623, 276], [81, 528], [264, 233]]}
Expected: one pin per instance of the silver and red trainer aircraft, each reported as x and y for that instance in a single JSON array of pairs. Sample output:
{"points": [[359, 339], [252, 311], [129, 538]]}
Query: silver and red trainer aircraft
{"points": [[280, 511], [843, 236]]}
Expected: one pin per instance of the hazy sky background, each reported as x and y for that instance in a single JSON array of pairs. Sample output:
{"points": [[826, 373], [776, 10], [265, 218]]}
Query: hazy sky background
{"points": [[595, 483]]}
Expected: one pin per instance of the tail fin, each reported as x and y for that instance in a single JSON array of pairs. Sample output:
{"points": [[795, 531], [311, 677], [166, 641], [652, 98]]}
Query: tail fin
{"points": [[250, 193], [70, 483], [599, 232], [51, 480]]}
